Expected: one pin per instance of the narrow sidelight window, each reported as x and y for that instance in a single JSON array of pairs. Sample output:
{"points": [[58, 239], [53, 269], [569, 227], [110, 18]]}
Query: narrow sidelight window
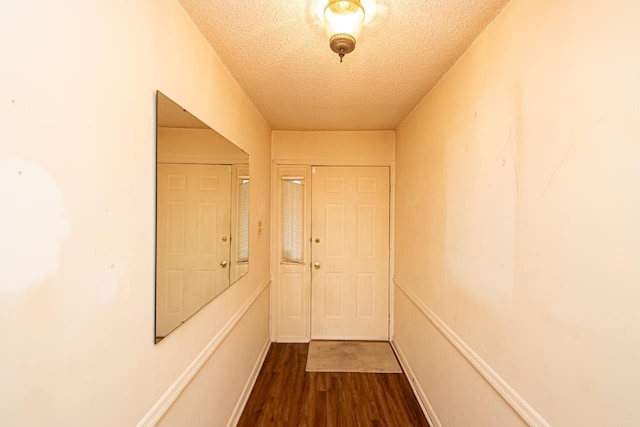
{"points": [[292, 219], [243, 219]]}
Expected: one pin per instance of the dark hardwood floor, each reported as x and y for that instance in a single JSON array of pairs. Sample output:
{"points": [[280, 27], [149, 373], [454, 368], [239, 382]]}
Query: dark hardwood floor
{"points": [[286, 395]]}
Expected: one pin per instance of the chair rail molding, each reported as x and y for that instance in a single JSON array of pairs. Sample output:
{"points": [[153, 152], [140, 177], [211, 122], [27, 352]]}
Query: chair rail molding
{"points": [[517, 402], [173, 392]]}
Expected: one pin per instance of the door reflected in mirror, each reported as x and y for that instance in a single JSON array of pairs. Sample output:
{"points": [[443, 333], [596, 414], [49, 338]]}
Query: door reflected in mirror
{"points": [[202, 215]]}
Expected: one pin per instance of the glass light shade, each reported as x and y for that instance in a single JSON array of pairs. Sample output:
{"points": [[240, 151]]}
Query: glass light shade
{"points": [[344, 17]]}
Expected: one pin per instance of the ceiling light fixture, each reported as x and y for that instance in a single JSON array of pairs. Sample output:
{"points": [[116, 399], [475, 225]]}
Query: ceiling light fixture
{"points": [[343, 21]]}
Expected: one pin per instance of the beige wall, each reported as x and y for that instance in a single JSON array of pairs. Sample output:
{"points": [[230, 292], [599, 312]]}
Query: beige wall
{"points": [[77, 135], [333, 147], [517, 230]]}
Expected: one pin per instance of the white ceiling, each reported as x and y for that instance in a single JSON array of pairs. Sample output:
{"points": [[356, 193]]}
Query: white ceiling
{"points": [[279, 53]]}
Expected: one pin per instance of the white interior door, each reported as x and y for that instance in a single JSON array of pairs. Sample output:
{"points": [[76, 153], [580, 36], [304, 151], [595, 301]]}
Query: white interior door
{"points": [[193, 240], [350, 253]]}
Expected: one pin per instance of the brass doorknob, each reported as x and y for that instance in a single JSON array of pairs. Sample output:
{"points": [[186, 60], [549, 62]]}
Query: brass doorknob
{"points": [[317, 240], [223, 264], [224, 238], [316, 266]]}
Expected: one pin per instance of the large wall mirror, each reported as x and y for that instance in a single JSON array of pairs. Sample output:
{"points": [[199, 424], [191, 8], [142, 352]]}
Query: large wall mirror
{"points": [[202, 215]]}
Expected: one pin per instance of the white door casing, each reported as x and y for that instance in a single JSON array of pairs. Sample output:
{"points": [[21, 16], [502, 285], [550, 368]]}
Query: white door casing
{"points": [[350, 248], [193, 240]]}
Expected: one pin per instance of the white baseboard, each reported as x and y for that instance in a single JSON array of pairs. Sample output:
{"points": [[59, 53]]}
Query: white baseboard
{"points": [[517, 402], [348, 338], [423, 400], [171, 395], [246, 392], [292, 340]]}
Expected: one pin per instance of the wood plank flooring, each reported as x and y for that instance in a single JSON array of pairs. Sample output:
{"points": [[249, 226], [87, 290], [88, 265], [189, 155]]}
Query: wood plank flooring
{"points": [[286, 395]]}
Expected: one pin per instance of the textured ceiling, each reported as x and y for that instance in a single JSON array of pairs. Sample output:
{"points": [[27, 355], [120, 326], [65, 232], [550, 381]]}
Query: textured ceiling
{"points": [[279, 53]]}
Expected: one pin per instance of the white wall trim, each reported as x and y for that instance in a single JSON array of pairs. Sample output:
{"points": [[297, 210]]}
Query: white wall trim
{"points": [[423, 400], [350, 338], [292, 340], [169, 397], [246, 392], [519, 405]]}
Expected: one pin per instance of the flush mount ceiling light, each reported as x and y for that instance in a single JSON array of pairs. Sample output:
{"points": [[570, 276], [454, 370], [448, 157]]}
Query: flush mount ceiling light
{"points": [[343, 21]]}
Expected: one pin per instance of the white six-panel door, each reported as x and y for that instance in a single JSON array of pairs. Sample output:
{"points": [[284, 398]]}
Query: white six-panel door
{"points": [[193, 232], [350, 253]]}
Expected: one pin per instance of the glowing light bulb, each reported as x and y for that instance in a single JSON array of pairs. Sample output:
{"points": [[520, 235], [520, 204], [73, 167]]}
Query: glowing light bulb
{"points": [[343, 22]]}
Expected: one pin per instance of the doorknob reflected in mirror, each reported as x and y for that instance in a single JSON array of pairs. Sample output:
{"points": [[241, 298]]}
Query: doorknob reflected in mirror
{"points": [[223, 264], [316, 266]]}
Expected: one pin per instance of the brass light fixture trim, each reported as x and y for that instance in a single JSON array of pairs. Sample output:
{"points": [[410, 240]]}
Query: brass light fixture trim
{"points": [[342, 44]]}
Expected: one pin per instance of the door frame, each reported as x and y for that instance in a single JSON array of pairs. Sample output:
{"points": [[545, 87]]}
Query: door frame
{"points": [[280, 166]]}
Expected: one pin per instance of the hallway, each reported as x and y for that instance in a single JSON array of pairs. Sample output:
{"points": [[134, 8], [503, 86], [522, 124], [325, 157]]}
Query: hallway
{"points": [[286, 395], [512, 252]]}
